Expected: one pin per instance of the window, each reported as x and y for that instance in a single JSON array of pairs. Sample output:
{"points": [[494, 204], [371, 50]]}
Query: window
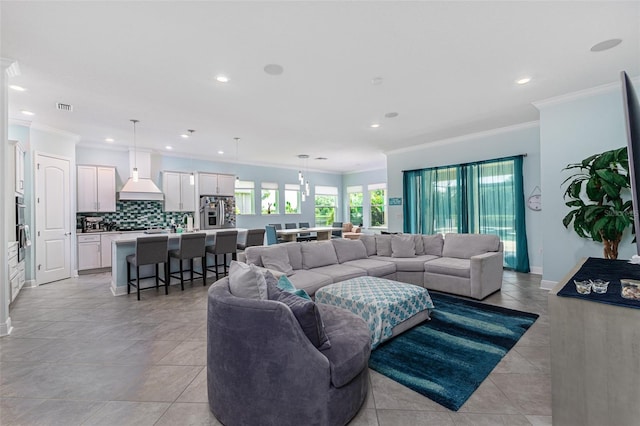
{"points": [[292, 204], [245, 197], [355, 204], [485, 197], [269, 198], [378, 204], [326, 203]]}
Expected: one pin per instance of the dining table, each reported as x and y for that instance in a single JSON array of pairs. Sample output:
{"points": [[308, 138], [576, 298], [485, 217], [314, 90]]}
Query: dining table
{"points": [[322, 232]]}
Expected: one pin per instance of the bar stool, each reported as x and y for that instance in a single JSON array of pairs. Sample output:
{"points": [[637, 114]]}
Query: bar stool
{"points": [[191, 246], [149, 251], [254, 237], [225, 243]]}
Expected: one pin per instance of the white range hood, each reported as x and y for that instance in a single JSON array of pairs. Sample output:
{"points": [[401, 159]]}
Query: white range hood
{"points": [[144, 188]]}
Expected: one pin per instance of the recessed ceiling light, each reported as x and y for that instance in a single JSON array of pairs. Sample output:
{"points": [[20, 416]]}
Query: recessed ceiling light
{"points": [[109, 140], [222, 79], [391, 115], [17, 88], [220, 152], [605, 45], [273, 69], [25, 112], [375, 125], [321, 158], [376, 81], [523, 80], [169, 147], [184, 136]]}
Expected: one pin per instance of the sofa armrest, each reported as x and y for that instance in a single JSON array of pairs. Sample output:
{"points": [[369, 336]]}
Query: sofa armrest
{"points": [[486, 274]]}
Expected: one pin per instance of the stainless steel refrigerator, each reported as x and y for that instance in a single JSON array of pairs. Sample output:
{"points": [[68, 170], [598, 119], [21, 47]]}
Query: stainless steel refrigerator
{"points": [[217, 211]]}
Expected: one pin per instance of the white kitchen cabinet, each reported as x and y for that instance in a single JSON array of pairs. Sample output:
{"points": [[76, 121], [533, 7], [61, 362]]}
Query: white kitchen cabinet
{"points": [[216, 184], [179, 194], [96, 189], [16, 271], [17, 166], [89, 248]]}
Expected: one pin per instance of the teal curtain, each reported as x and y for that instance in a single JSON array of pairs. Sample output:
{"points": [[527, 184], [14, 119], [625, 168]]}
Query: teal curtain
{"points": [[484, 197]]}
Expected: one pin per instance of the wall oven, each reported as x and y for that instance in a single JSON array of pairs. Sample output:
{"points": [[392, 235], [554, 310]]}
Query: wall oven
{"points": [[21, 235]]}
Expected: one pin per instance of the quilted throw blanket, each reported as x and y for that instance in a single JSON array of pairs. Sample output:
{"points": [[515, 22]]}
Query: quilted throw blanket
{"points": [[382, 303]]}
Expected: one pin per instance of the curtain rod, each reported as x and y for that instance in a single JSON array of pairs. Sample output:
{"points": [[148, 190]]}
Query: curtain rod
{"points": [[466, 164]]}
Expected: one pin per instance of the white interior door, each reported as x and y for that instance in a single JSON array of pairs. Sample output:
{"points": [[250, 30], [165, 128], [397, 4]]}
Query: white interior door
{"points": [[53, 217]]}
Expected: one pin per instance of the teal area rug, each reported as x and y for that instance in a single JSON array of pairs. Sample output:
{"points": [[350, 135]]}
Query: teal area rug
{"points": [[447, 358]]}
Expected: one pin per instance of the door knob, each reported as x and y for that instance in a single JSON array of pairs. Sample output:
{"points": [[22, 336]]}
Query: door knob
{"points": [[67, 233]]}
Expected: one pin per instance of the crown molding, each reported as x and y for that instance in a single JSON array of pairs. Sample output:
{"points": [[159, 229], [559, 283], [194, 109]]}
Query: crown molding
{"points": [[581, 94], [17, 122], [467, 137], [49, 129]]}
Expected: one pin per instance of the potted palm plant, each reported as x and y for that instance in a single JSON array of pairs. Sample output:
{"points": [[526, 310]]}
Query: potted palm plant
{"points": [[595, 195]]}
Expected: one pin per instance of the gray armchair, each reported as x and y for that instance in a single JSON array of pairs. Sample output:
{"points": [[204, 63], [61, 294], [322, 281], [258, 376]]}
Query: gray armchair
{"points": [[262, 368]]}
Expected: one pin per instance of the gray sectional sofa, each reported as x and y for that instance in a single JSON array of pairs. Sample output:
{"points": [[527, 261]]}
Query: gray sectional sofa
{"points": [[463, 264]]}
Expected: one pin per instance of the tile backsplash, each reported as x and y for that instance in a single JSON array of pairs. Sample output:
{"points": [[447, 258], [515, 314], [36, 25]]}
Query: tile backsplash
{"points": [[133, 214]]}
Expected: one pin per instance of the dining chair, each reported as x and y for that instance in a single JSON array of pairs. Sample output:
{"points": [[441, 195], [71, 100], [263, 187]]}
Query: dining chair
{"points": [[272, 236], [305, 236], [276, 225], [336, 234]]}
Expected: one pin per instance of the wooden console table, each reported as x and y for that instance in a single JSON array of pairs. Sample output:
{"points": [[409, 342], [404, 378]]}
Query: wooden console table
{"points": [[595, 361]]}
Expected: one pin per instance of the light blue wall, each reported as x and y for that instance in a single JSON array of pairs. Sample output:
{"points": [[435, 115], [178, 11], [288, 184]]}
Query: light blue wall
{"points": [[361, 178], [499, 143], [570, 131], [258, 174]]}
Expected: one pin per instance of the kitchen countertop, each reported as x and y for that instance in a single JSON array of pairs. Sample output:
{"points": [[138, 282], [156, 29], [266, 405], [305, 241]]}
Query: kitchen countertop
{"points": [[131, 236]]}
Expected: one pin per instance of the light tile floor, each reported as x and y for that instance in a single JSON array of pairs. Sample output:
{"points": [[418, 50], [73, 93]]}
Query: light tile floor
{"points": [[80, 356]]}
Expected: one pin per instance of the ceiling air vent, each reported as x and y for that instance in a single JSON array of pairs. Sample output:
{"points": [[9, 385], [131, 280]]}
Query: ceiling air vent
{"points": [[64, 107]]}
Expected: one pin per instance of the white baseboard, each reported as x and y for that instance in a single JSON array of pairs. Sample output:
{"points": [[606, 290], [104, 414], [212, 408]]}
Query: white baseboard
{"points": [[30, 284], [6, 328], [118, 290], [536, 270], [547, 285]]}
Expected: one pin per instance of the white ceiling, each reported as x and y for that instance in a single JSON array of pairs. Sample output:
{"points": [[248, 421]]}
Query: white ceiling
{"points": [[448, 69]]}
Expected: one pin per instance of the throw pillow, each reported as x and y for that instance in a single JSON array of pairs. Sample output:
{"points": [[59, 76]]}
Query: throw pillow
{"points": [[347, 250], [317, 254], [277, 258], [307, 314], [369, 242], [383, 245], [402, 246], [247, 281], [433, 244], [286, 285], [417, 240]]}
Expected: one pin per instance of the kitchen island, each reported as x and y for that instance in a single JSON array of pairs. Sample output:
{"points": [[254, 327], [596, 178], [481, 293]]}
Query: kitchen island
{"points": [[125, 244]]}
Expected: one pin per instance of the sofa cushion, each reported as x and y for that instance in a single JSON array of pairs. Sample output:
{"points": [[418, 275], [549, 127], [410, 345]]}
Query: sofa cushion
{"points": [[433, 244], [277, 259], [463, 246], [409, 264], [309, 281], [286, 285], [347, 250], [295, 254], [449, 266], [318, 253], [383, 245], [350, 343], [339, 272], [247, 281], [369, 242], [417, 240], [374, 267], [403, 246], [307, 314]]}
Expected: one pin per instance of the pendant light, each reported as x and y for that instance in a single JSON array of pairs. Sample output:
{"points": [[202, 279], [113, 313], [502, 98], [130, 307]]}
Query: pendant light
{"points": [[237, 139], [192, 178], [304, 183], [134, 174]]}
